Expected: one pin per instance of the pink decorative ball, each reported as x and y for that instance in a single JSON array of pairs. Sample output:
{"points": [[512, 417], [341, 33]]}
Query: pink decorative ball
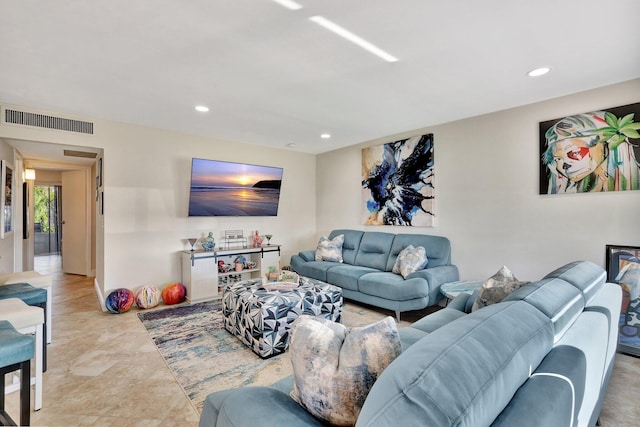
{"points": [[147, 297], [174, 293]]}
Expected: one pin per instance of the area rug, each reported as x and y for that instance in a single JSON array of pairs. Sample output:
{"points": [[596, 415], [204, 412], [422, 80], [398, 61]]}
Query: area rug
{"points": [[203, 356]]}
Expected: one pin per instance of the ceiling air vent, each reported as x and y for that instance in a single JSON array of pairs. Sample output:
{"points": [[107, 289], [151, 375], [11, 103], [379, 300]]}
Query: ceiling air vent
{"points": [[49, 122]]}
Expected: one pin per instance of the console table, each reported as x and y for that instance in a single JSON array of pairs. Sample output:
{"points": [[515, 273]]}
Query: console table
{"points": [[201, 277]]}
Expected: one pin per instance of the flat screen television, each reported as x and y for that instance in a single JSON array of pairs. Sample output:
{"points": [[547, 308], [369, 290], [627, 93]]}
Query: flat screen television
{"points": [[233, 189]]}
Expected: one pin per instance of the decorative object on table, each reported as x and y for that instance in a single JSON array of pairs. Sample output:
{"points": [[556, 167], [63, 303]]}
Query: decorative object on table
{"points": [[174, 293], [272, 273], [239, 262], [234, 239], [591, 152], [397, 183], [496, 288], [250, 265], [119, 300], [623, 268], [223, 267], [329, 388], [257, 240], [192, 241], [208, 243], [148, 297], [286, 280], [268, 236]]}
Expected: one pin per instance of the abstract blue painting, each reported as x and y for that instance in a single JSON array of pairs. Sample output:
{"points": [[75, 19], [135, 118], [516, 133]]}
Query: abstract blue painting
{"points": [[397, 183]]}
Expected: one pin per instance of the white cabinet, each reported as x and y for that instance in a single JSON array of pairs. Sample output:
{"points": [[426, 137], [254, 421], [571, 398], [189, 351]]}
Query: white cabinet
{"points": [[200, 273]]}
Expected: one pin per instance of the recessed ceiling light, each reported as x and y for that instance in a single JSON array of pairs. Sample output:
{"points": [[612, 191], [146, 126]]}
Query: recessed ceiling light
{"points": [[539, 72], [202, 108], [348, 35], [325, 136], [291, 144], [289, 4]]}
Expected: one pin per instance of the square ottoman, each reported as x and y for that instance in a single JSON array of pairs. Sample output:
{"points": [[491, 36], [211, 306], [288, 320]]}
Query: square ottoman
{"points": [[261, 319]]}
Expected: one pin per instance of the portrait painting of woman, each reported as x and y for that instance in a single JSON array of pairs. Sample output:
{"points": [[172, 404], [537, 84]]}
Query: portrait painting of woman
{"points": [[591, 152]]}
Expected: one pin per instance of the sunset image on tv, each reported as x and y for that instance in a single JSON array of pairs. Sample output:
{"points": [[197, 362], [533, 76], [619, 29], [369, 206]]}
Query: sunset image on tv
{"points": [[233, 189]]}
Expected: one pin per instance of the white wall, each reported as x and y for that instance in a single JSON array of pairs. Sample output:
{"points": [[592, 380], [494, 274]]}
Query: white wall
{"points": [[146, 176], [487, 200]]}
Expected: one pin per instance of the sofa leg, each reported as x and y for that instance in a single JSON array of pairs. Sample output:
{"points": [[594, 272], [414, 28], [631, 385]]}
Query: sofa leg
{"points": [[397, 315]]}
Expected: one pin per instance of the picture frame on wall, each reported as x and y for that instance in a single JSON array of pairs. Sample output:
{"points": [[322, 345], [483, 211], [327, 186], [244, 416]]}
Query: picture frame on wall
{"points": [[6, 199], [623, 268], [591, 152]]}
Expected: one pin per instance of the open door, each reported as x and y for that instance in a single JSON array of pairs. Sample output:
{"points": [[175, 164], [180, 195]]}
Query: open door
{"points": [[76, 245]]}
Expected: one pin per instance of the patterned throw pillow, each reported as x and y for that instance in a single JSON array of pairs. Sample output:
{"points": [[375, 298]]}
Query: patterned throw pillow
{"points": [[334, 367], [330, 250], [410, 260], [496, 288]]}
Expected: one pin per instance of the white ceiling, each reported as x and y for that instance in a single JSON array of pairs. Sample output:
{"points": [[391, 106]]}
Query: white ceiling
{"points": [[272, 77]]}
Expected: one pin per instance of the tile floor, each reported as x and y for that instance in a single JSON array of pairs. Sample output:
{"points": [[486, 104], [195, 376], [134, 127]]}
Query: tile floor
{"points": [[105, 371]]}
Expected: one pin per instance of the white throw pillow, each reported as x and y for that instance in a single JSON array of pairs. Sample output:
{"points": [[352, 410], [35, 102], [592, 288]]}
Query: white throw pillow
{"points": [[410, 260], [334, 367], [330, 250]]}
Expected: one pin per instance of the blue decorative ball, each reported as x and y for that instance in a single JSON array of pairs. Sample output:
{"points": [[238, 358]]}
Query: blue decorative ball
{"points": [[119, 300]]}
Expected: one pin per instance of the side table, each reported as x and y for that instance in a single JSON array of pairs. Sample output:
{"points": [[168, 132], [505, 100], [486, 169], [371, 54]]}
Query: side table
{"points": [[453, 289]]}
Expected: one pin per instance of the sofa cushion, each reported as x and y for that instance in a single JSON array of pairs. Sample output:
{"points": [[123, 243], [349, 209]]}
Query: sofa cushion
{"points": [[584, 275], [392, 286], [334, 367], [496, 288], [410, 260], [438, 248], [351, 243], [465, 372], [419, 329], [374, 250], [314, 269], [346, 276], [330, 250]]}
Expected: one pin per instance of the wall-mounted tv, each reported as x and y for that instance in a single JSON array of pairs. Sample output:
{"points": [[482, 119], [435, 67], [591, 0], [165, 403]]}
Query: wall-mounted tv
{"points": [[233, 189]]}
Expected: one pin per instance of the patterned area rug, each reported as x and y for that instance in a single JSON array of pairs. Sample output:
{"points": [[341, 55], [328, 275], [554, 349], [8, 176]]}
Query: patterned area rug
{"points": [[203, 356]]}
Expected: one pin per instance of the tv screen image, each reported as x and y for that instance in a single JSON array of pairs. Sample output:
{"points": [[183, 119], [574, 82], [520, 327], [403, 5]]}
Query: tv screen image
{"points": [[233, 189]]}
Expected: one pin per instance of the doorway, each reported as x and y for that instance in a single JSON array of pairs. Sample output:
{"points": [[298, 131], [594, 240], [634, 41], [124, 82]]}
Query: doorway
{"points": [[46, 221]]}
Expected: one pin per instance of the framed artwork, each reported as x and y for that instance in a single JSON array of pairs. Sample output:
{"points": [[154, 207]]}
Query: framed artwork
{"points": [[623, 268], [591, 152], [398, 184], [6, 199]]}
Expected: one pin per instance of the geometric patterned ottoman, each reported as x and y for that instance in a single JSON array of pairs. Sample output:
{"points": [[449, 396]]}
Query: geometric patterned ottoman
{"points": [[262, 319]]}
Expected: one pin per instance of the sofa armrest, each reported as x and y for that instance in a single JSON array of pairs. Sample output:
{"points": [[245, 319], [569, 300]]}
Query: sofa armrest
{"points": [[436, 276], [308, 255], [254, 406]]}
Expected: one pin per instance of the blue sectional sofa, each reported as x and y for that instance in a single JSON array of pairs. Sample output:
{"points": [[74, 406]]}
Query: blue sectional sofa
{"points": [[541, 357], [366, 273]]}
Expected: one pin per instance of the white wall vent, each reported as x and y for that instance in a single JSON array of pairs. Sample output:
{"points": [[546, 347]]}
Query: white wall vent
{"points": [[49, 122]]}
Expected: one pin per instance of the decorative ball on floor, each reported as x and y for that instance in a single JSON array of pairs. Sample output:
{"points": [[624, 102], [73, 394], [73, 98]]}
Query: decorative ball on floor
{"points": [[147, 297], [174, 293], [119, 300]]}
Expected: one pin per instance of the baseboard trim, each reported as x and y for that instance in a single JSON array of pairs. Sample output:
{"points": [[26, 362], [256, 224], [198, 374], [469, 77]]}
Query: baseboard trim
{"points": [[96, 285]]}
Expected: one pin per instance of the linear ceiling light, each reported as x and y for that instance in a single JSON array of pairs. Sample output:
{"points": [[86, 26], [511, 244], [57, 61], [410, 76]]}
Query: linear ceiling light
{"points": [[289, 4], [344, 33]]}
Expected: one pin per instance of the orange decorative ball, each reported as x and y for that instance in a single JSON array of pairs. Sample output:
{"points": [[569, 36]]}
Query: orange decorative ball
{"points": [[174, 293]]}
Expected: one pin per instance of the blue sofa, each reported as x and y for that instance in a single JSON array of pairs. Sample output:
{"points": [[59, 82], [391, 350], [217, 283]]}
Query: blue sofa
{"points": [[541, 357], [366, 273]]}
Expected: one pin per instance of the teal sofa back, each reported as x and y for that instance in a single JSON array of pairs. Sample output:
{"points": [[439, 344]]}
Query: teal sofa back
{"points": [[463, 374], [351, 243]]}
